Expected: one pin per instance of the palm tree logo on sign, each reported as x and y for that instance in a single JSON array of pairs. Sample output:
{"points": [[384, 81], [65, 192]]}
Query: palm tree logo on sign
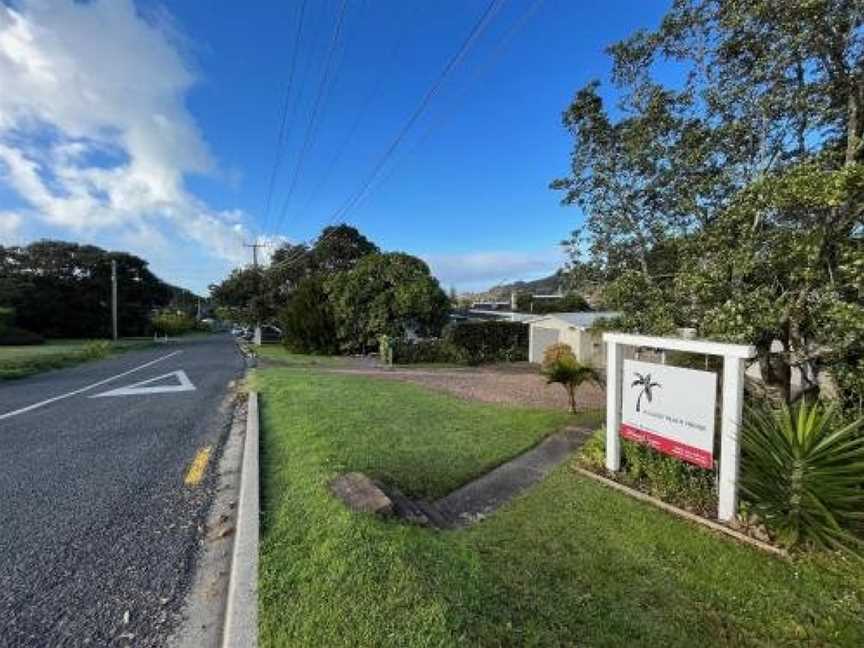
{"points": [[644, 381]]}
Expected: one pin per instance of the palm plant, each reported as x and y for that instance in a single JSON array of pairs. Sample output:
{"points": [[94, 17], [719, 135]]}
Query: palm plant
{"points": [[569, 373], [803, 473], [646, 384]]}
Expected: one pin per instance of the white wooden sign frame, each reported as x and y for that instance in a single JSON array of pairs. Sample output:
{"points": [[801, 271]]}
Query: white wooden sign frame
{"points": [[732, 395]]}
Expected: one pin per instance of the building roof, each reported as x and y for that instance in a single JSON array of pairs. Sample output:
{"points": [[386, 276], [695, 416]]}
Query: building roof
{"points": [[579, 319]]}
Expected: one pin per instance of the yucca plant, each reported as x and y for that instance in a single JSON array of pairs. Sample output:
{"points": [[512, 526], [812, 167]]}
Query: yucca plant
{"points": [[803, 473]]}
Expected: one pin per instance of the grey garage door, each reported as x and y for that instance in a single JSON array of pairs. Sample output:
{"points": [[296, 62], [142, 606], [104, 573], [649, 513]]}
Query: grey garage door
{"points": [[541, 338]]}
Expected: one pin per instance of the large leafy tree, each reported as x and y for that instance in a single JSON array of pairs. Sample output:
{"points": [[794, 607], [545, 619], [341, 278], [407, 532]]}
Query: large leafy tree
{"points": [[63, 289], [750, 174], [260, 294], [386, 294], [339, 248]]}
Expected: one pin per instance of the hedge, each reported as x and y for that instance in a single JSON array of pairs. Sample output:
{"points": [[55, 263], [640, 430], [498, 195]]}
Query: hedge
{"points": [[488, 341], [19, 337], [471, 343]]}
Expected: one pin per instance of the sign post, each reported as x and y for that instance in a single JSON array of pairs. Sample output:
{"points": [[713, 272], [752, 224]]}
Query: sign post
{"points": [[681, 421]]}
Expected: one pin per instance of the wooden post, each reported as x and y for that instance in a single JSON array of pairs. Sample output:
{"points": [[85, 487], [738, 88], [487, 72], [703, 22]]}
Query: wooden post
{"points": [[614, 364], [730, 448]]}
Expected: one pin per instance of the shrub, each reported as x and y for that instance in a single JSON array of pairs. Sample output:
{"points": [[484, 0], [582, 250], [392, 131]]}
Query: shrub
{"points": [[307, 321], [557, 352], [803, 474], [669, 479], [7, 320], [568, 303], [172, 323], [96, 349], [414, 351], [567, 372], [488, 341], [19, 337], [592, 454]]}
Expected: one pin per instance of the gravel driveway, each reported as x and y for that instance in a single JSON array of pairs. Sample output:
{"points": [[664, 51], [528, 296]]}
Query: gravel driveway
{"points": [[519, 384]]}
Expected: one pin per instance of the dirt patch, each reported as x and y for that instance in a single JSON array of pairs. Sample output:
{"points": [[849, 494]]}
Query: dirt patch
{"points": [[518, 385]]}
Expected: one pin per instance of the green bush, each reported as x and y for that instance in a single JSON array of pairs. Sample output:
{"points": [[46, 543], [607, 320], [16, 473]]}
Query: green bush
{"points": [[669, 479], [664, 477], [488, 341], [307, 321], [802, 473], [96, 349], [426, 351], [172, 323], [7, 320], [567, 304], [592, 454], [19, 337]]}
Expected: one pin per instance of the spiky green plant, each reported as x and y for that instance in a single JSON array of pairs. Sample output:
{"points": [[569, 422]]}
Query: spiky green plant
{"points": [[803, 472], [569, 373]]}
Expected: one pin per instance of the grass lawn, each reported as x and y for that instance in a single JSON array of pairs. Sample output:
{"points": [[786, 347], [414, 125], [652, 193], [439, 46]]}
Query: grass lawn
{"points": [[20, 361], [569, 563], [277, 354]]}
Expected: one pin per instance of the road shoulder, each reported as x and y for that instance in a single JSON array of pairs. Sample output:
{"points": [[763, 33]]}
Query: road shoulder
{"points": [[204, 610]]}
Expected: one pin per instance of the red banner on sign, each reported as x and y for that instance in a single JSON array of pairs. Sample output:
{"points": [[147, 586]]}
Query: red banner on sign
{"points": [[701, 458]]}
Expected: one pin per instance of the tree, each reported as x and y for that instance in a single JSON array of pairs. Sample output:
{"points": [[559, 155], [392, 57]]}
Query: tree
{"points": [[63, 289], [307, 320], [241, 291], [733, 204], [385, 294], [260, 294], [339, 248]]}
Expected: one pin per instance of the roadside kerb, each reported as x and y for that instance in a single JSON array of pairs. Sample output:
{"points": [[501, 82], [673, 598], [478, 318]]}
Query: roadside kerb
{"points": [[241, 616]]}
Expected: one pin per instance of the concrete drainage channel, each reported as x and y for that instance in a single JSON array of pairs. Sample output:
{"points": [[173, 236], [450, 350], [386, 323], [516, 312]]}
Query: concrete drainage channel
{"points": [[470, 503]]}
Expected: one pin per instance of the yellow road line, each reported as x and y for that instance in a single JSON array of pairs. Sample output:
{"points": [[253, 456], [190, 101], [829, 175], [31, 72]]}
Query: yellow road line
{"points": [[198, 467]]}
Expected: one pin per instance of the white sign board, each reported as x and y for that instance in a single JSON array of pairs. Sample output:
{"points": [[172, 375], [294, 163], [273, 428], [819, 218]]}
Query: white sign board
{"points": [[670, 409]]}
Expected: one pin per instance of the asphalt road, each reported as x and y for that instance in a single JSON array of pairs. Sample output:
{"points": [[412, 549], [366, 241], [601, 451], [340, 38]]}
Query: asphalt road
{"points": [[98, 526]]}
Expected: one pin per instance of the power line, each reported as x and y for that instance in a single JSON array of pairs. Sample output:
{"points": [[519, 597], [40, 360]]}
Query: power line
{"points": [[478, 29], [315, 110], [280, 142], [452, 63], [478, 70], [383, 70]]}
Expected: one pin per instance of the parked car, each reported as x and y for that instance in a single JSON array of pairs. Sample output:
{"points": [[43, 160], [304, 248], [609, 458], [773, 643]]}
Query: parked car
{"points": [[270, 333], [237, 331]]}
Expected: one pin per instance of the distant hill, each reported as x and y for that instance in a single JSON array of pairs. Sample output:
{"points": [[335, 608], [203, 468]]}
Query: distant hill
{"points": [[544, 286]]}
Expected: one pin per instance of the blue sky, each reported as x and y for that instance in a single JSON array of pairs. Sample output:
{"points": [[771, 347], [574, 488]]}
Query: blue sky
{"points": [[154, 127]]}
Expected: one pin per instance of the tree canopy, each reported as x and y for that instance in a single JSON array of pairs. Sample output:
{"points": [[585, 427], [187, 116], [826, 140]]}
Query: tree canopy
{"points": [[60, 289], [340, 293], [733, 201], [386, 294]]}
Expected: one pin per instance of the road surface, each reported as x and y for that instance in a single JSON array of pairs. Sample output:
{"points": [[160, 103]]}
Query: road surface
{"points": [[103, 489]]}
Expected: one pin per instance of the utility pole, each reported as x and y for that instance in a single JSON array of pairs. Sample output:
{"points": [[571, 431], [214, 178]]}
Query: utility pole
{"points": [[114, 298], [257, 339], [254, 247]]}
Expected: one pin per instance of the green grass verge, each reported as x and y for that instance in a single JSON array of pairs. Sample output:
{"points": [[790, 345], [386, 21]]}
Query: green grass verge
{"points": [[277, 354], [569, 563], [20, 361]]}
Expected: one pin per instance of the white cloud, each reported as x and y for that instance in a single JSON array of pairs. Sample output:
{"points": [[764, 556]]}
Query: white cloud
{"points": [[94, 133], [10, 223], [480, 270]]}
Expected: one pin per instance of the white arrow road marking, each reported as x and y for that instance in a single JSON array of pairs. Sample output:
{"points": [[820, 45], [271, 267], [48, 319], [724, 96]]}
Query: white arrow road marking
{"points": [[84, 389], [138, 389]]}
